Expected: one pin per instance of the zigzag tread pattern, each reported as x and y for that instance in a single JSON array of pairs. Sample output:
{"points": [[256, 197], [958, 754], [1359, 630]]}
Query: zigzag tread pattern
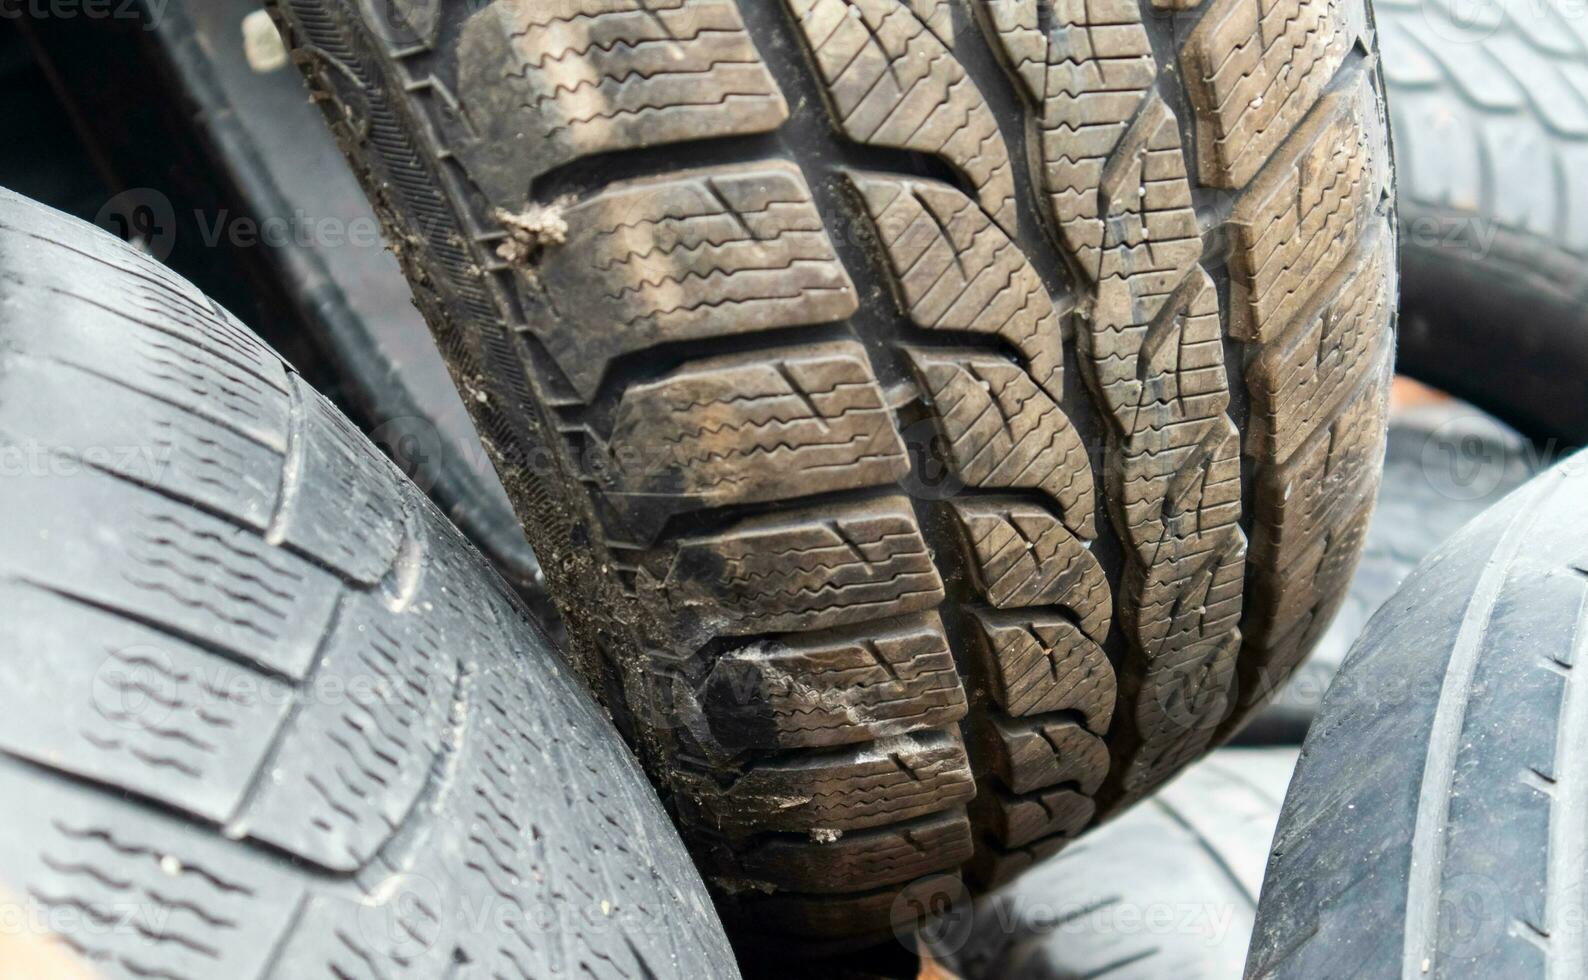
{"points": [[1112, 169], [892, 82]]}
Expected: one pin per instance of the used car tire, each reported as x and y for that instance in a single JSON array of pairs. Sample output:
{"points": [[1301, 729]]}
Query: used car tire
{"points": [[888, 563], [1490, 124], [262, 710], [1167, 890], [1434, 826]]}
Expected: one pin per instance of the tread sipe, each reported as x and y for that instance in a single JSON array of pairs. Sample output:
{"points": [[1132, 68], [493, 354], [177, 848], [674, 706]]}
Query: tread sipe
{"points": [[263, 711], [1434, 826], [940, 423]]}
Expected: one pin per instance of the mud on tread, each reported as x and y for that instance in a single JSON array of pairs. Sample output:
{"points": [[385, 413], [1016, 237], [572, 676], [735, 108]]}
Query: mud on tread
{"points": [[263, 711], [964, 372]]}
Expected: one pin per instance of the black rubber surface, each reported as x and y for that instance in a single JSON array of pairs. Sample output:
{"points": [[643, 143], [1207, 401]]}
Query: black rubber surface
{"points": [[263, 712], [1444, 465], [1489, 116], [1435, 826], [1169, 890]]}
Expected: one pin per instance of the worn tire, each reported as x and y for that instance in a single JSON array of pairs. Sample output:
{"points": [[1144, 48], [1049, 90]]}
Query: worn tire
{"points": [[1490, 120], [1434, 827], [889, 563], [1167, 890], [1443, 466], [263, 712]]}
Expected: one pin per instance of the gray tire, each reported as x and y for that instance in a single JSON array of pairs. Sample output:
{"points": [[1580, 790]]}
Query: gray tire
{"points": [[1434, 827], [263, 712]]}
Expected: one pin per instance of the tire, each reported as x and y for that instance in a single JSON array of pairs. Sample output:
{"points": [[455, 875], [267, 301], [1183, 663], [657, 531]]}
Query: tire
{"points": [[1434, 824], [257, 144], [1491, 124], [1105, 907], [1444, 465], [262, 710], [891, 569]]}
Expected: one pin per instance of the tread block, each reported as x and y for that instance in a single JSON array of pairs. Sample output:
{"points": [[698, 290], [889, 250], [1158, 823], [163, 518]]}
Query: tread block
{"points": [[1298, 382], [143, 439], [1109, 148], [751, 428], [1004, 432], [882, 782], [1039, 661], [1030, 753], [1253, 69], [350, 767], [892, 82], [1302, 216], [863, 860], [823, 690], [707, 253], [194, 575], [806, 570], [551, 81], [954, 269], [183, 367], [1313, 507], [1023, 556], [138, 893], [114, 701], [340, 500], [1019, 819]]}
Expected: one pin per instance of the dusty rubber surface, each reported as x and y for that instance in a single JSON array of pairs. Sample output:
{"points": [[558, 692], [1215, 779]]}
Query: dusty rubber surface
{"points": [[1490, 122], [263, 712], [942, 423], [1434, 826]]}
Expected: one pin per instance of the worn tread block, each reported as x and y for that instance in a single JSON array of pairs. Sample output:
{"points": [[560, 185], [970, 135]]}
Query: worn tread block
{"points": [[954, 269], [827, 689], [806, 570], [749, 428], [143, 439], [892, 82], [881, 782], [1040, 661], [194, 574], [1300, 380], [132, 707], [548, 83], [1023, 556], [705, 253], [349, 768], [1004, 432], [182, 684], [1253, 69], [1301, 216], [1019, 819], [1030, 753], [134, 892]]}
